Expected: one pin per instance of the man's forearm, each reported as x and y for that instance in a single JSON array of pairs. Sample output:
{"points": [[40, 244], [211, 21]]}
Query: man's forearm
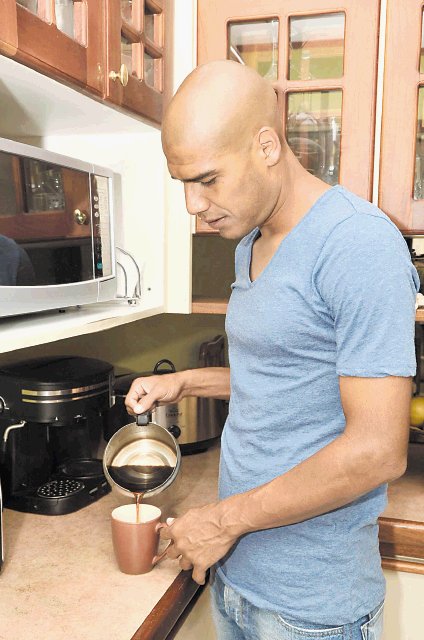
{"points": [[206, 382], [331, 478]]}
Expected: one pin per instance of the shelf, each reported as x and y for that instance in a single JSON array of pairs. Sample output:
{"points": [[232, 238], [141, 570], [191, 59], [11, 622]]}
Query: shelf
{"points": [[41, 328], [219, 306], [209, 305]]}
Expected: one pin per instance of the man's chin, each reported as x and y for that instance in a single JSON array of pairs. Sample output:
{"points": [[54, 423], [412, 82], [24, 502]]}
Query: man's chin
{"points": [[230, 234]]}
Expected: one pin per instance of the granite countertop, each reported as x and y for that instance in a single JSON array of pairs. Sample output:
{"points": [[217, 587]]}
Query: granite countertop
{"points": [[60, 579]]}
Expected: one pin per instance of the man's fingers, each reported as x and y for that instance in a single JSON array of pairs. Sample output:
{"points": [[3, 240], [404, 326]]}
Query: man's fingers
{"points": [[138, 400], [199, 575], [136, 392], [165, 531], [185, 564], [172, 552]]}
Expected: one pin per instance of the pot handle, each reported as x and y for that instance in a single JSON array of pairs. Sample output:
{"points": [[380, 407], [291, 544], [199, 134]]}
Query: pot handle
{"points": [[143, 419], [158, 365]]}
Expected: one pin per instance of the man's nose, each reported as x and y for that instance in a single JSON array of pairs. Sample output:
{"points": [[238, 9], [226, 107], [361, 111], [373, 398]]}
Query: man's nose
{"points": [[196, 203]]}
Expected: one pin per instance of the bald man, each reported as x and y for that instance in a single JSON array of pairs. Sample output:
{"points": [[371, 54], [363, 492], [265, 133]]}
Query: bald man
{"points": [[320, 328]]}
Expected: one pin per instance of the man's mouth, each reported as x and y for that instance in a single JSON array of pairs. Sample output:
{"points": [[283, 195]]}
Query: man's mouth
{"points": [[214, 222]]}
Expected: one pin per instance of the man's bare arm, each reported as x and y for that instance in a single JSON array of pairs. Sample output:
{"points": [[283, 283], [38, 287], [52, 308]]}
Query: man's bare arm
{"points": [[207, 382], [372, 450]]}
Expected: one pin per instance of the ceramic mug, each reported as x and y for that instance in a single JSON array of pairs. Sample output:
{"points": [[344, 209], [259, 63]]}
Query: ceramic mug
{"points": [[135, 543]]}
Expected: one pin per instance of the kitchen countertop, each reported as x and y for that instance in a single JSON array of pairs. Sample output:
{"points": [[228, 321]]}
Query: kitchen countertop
{"points": [[406, 495], [60, 579], [402, 523]]}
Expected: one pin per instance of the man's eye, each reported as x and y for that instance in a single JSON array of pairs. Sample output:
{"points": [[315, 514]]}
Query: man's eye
{"points": [[208, 183]]}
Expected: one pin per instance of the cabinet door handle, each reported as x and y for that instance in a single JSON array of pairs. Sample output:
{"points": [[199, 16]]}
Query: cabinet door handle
{"points": [[121, 75], [80, 217]]}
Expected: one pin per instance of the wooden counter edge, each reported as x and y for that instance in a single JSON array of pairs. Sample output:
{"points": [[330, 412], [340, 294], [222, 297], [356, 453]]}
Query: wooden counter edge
{"points": [[219, 305], [402, 544], [164, 616]]}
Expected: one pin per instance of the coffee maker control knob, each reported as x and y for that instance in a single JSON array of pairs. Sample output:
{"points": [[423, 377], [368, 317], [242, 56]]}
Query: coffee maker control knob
{"points": [[175, 430]]}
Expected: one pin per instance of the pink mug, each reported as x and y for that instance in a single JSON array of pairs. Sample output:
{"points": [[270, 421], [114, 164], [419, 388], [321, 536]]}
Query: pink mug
{"points": [[136, 542]]}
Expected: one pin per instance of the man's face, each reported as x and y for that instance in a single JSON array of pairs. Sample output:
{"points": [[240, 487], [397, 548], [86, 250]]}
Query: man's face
{"points": [[226, 190]]}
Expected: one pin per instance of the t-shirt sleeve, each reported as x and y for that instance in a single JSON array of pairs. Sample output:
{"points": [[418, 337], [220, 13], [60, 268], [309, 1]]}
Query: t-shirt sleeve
{"points": [[365, 277]]}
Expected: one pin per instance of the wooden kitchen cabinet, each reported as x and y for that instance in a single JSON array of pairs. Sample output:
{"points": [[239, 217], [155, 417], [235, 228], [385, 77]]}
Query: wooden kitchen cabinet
{"points": [[135, 55], [322, 61], [8, 27], [61, 38], [113, 49], [401, 185]]}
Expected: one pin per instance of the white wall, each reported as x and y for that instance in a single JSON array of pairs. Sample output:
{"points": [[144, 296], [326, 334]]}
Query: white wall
{"points": [[178, 222], [138, 161]]}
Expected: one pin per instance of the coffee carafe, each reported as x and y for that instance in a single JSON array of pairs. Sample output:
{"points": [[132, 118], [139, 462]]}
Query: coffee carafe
{"points": [[49, 409], [142, 458]]}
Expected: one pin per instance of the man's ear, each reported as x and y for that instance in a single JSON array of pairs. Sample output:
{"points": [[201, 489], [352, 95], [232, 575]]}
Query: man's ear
{"points": [[270, 145]]}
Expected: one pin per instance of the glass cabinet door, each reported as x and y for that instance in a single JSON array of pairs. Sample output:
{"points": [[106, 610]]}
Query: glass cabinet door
{"points": [[322, 63], [62, 37], [135, 56], [255, 43], [69, 16], [401, 184]]}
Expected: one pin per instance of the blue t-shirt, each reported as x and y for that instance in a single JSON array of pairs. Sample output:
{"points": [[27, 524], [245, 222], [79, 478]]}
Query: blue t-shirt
{"points": [[336, 299]]}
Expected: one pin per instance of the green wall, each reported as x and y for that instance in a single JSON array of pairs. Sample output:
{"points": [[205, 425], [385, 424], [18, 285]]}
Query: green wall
{"points": [[136, 346]]}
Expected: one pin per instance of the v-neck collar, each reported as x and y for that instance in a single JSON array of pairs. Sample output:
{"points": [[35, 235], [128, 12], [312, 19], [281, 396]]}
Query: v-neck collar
{"points": [[256, 233]]}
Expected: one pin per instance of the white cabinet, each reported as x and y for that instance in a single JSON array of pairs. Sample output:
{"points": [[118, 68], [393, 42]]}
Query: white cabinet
{"points": [[44, 113], [403, 618], [402, 613]]}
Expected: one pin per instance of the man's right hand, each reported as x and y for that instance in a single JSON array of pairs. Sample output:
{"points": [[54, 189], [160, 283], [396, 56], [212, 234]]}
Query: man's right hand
{"points": [[147, 392]]}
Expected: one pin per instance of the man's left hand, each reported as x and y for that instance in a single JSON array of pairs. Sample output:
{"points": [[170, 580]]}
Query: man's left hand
{"points": [[199, 539]]}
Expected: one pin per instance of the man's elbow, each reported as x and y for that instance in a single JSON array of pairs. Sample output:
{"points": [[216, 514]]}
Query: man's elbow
{"points": [[390, 466], [379, 464]]}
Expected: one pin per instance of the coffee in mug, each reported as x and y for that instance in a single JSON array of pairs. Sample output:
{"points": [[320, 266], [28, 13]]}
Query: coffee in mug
{"points": [[135, 537]]}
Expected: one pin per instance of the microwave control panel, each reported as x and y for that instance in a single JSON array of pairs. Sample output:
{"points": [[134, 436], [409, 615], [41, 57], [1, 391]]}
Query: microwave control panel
{"points": [[102, 241]]}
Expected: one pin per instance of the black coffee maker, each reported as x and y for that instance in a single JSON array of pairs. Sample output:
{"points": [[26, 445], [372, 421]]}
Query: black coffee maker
{"points": [[49, 409]]}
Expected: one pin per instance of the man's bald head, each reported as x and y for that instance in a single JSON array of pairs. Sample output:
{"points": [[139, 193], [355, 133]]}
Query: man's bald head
{"points": [[221, 105]]}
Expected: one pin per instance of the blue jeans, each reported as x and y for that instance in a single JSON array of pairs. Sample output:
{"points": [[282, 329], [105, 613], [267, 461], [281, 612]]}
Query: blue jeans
{"points": [[237, 619]]}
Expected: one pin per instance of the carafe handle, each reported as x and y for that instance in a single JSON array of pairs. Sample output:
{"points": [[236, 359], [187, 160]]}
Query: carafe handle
{"points": [[143, 419]]}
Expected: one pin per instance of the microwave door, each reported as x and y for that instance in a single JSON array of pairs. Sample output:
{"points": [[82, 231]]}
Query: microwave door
{"points": [[47, 233], [56, 231]]}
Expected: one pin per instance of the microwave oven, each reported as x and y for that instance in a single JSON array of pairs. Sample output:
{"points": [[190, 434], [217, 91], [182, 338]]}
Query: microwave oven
{"points": [[56, 231]]}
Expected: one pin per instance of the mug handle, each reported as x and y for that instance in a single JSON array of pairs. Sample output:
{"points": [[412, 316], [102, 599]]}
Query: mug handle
{"points": [[161, 556]]}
